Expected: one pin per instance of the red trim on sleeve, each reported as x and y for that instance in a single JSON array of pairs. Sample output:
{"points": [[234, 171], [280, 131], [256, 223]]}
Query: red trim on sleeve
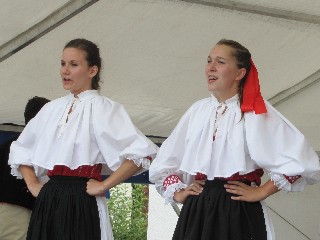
{"points": [[172, 179], [292, 179]]}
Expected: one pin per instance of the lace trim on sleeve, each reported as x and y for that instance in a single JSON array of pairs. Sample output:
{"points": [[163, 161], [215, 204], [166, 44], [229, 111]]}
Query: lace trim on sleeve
{"points": [[139, 161], [15, 171], [171, 189], [283, 182], [171, 184], [279, 181]]}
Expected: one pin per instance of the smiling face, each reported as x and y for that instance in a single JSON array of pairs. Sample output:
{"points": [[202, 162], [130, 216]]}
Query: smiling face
{"points": [[223, 75], [75, 73]]}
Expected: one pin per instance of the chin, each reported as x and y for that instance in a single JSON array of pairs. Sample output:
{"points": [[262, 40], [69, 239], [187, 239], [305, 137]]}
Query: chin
{"points": [[67, 89], [211, 89]]}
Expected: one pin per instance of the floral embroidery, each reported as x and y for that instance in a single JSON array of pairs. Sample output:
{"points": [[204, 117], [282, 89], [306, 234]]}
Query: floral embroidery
{"points": [[172, 179], [292, 179]]}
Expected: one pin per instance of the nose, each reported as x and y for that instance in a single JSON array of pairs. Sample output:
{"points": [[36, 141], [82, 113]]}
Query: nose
{"points": [[211, 66], [64, 69]]}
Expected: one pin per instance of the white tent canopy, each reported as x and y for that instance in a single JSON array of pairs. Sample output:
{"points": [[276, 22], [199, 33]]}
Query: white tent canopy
{"points": [[154, 54]]}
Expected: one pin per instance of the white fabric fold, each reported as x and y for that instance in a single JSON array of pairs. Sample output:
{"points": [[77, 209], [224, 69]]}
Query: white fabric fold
{"points": [[228, 144], [98, 130], [243, 143], [105, 224]]}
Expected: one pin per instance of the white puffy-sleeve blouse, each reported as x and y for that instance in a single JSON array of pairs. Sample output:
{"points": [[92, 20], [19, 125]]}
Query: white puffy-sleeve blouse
{"points": [[243, 143], [97, 131]]}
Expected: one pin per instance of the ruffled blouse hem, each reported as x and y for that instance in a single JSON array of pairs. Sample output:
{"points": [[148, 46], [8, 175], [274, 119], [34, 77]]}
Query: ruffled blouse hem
{"points": [[39, 172], [15, 172], [139, 161], [210, 176], [171, 189], [280, 181]]}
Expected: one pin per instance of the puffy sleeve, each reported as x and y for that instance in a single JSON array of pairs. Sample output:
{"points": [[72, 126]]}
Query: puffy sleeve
{"points": [[164, 170], [280, 148], [21, 151], [117, 137]]}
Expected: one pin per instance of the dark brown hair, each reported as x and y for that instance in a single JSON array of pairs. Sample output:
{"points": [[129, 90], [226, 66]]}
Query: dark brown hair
{"points": [[33, 106], [92, 56], [242, 56]]}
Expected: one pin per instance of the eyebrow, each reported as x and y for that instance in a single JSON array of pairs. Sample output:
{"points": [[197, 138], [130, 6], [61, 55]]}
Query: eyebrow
{"points": [[77, 61], [220, 58]]}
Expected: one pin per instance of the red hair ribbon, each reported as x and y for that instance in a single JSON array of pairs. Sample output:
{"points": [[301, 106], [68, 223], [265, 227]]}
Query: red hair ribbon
{"points": [[251, 98]]}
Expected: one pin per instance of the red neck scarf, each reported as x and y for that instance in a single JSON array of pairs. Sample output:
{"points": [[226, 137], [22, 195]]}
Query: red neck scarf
{"points": [[251, 98]]}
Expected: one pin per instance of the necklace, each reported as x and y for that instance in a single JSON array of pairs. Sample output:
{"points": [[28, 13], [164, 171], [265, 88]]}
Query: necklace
{"points": [[221, 110]]}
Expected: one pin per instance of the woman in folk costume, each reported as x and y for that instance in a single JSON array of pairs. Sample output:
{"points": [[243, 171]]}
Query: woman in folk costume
{"points": [[214, 159], [74, 139]]}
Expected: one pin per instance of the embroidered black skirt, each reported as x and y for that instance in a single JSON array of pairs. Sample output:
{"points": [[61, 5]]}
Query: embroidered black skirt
{"points": [[64, 211], [213, 215]]}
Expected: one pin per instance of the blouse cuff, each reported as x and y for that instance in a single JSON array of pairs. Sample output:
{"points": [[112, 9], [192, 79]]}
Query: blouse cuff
{"points": [[283, 182], [171, 185], [15, 171], [139, 161], [40, 173]]}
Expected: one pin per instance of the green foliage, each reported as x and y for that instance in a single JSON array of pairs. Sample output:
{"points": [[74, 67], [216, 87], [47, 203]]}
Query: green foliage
{"points": [[129, 211]]}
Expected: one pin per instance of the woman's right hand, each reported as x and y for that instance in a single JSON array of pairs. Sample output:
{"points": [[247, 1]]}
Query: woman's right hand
{"points": [[35, 188], [31, 180], [193, 189]]}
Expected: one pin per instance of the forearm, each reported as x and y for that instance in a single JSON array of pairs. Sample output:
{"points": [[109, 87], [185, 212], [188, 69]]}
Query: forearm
{"points": [[269, 188], [31, 179], [126, 170], [28, 175]]}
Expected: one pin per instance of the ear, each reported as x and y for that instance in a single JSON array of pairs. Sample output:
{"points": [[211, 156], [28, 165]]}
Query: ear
{"points": [[93, 71], [241, 73]]}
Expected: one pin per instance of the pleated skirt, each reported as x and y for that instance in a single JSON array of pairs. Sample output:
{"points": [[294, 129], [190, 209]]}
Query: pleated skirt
{"points": [[213, 215], [64, 211]]}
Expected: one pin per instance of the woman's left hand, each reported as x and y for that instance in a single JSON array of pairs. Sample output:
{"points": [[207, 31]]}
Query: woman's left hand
{"points": [[248, 193], [95, 188]]}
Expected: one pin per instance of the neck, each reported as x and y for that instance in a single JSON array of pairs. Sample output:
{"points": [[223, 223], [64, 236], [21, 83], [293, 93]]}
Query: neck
{"points": [[222, 98]]}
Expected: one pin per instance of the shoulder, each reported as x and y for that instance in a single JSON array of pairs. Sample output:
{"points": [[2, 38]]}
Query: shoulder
{"points": [[58, 100], [105, 107], [105, 102], [99, 99], [199, 109], [55, 102], [272, 119], [202, 102], [200, 105], [271, 113]]}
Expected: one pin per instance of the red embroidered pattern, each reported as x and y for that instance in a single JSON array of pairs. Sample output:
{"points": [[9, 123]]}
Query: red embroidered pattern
{"points": [[82, 171], [200, 176], [254, 176], [171, 180], [292, 179]]}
